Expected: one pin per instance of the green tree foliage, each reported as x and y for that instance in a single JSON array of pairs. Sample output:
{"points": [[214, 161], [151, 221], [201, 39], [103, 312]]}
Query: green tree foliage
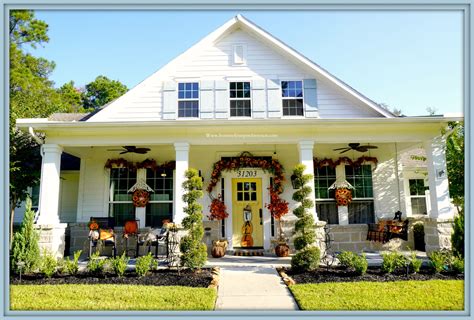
{"points": [[101, 91], [72, 96], [25, 249], [194, 251], [455, 166], [307, 256]]}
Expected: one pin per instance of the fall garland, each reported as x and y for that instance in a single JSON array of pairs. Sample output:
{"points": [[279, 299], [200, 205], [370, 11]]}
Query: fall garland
{"points": [[319, 163], [146, 164], [246, 160]]}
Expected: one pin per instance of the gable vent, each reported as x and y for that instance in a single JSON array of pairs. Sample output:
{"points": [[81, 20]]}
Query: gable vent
{"points": [[239, 51]]}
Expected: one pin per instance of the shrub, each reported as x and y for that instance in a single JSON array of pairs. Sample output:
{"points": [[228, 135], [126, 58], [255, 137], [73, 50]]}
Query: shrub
{"points": [[72, 266], [96, 265], [25, 248], [457, 238], [144, 264], [48, 264], [119, 264], [392, 261], [194, 251], [457, 265], [345, 258], [439, 260], [415, 263], [306, 259], [360, 264]]}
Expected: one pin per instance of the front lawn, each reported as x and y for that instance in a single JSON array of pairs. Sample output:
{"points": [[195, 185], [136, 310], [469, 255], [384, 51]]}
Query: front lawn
{"points": [[110, 297], [397, 295]]}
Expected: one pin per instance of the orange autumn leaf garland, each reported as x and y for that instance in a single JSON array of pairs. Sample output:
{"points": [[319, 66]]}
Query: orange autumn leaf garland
{"points": [[218, 210]]}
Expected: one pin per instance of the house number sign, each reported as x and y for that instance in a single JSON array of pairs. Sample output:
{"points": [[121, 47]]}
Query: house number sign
{"points": [[246, 173]]}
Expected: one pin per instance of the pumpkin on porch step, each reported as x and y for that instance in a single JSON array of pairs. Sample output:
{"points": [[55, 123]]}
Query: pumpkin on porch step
{"points": [[282, 250]]}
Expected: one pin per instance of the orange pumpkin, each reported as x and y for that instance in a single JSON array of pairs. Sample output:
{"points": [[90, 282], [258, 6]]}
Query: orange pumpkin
{"points": [[93, 225], [131, 227]]}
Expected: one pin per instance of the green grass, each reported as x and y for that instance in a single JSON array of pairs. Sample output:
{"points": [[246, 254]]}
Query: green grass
{"points": [[110, 297], [399, 295]]}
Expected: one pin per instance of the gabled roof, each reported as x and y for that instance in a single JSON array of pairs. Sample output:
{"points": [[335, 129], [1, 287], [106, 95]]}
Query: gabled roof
{"points": [[240, 21]]}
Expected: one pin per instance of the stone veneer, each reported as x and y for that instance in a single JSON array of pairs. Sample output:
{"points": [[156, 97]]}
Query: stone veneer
{"points": [[52, 238], [437, 233]]}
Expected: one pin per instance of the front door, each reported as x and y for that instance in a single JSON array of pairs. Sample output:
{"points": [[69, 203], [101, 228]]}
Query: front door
{"points": [[247, 220]]}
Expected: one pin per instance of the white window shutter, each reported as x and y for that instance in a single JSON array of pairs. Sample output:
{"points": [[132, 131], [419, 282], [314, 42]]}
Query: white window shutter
{"points": [[274, 98], [258, 99], [170, 100], [310, 98], [206, 99], [221, 89]]}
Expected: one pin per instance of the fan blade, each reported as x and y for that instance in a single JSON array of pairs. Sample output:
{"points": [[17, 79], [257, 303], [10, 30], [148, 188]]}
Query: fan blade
{"points": [[361, 149], [341, 149], [370, 147], [114, 149], [126, 151], [140, 151], [349, 149], [130, 148]]}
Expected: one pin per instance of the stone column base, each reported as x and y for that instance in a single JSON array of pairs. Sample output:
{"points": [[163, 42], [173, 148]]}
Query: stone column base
{"points": [[320, 236], [437, 233], [52, 238]]}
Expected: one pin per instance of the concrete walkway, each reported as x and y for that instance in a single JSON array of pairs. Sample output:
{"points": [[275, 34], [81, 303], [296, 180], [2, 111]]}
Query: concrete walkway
{"points": [[253, 288]]}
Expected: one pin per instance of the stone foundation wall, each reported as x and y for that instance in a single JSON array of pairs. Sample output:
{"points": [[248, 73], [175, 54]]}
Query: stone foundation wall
{"points": [[438, 233], [52, 238]]}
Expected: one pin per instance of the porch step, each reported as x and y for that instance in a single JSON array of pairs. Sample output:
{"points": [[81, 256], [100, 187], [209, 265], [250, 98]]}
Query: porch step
{"points": [[248, 252]]}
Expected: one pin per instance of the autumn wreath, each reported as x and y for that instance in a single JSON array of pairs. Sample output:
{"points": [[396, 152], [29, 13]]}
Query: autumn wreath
{"points": [[140, 198], [343, 196]]}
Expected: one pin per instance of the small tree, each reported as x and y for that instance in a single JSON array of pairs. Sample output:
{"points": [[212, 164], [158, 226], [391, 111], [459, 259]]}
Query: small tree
{"points": [[307, 256], [194, 251], [25, 251]]}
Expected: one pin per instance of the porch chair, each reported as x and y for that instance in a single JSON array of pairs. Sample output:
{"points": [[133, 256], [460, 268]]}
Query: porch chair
{"points": [[156, 238], [101, 231]]}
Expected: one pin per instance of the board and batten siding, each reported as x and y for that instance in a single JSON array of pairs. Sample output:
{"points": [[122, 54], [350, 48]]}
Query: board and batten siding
{"points": [[212, 66]]}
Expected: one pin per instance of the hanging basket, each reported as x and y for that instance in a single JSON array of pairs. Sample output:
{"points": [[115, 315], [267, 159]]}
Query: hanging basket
{"points": [[343, 197], [140, 198]]}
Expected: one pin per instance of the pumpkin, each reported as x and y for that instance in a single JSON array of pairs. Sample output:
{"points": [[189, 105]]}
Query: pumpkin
{"points": [[93, 225], [131, 227]]}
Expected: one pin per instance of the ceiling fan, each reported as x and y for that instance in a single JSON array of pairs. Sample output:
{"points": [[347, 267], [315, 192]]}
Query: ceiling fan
{"points": [[357, 147], [132, 149]]}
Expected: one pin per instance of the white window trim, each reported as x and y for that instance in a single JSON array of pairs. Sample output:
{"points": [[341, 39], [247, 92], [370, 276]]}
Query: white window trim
{"points": [[291, 98], [424, 196], [189, 99], [109, 193], [240, 99]]}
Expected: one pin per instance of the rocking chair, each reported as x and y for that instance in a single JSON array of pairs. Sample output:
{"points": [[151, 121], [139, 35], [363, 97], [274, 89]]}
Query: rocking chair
{"points": [[101, 232]]}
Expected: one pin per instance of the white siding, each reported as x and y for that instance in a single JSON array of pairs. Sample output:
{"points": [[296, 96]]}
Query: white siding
{"points": [[215, 62], [68, 198]]}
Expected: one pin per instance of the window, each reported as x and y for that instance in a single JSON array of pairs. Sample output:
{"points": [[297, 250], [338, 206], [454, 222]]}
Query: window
{"points": [[417, 196], [361, 210], [246, 191], [160, 206], [240, 102], [120, 201], [326, 207], [188, 100], [292, 93]]}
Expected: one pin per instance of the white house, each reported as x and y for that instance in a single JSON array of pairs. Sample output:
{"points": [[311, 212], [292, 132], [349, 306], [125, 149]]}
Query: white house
{"points": [[241, 92]]}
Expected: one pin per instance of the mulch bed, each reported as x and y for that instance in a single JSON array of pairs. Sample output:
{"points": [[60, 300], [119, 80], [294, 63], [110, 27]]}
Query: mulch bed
{"points": [[155, 278], [374, 274]]}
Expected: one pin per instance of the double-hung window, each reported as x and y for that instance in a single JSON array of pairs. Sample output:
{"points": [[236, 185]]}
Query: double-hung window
{"points": [[417, 196], [292, 95], [361, 209], [120, 201], [240, 100], [188, 100], [160, 206], [326, 207]]}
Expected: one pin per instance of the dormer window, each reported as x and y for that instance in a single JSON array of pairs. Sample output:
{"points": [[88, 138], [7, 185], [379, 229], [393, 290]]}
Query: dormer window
{"points": [[239, 54], [188, 100]]}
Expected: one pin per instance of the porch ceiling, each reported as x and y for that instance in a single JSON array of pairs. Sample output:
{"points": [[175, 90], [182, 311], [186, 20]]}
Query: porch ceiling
{"points": [[237, 132]]}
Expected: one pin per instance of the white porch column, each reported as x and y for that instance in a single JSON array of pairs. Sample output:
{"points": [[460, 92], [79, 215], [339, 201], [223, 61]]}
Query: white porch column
{"points": [[50, 184], [182, 163], [438, 179], [305, 149], [52, 232]]}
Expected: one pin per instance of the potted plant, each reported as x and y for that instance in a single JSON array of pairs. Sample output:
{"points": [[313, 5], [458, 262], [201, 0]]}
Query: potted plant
{"points": [[218, 211], [278, 208]]}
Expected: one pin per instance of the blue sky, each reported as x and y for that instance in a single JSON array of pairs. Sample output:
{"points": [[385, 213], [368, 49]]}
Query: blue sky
{"points": [[408, 60]]}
